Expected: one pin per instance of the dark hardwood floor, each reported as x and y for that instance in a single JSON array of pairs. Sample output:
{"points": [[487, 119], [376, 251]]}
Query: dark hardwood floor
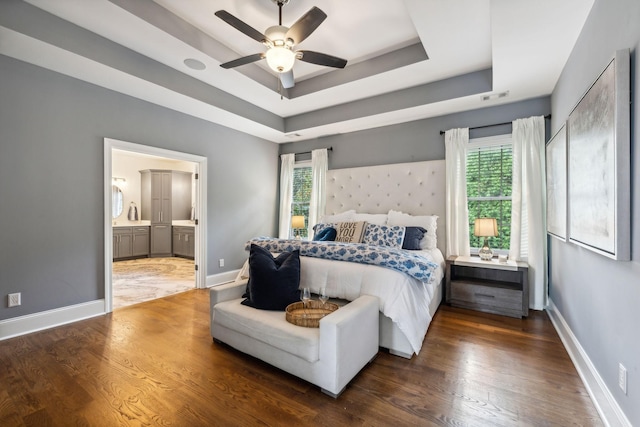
{"points": [[155, 364]]}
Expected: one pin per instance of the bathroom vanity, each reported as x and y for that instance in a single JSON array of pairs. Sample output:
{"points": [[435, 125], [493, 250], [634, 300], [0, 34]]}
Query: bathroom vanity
{"points": [[163, 226], [130, 242], [165, 196]]}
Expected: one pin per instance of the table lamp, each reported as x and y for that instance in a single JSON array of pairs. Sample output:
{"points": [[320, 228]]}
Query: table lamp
{"points": [[485, 227], [297, 222]]}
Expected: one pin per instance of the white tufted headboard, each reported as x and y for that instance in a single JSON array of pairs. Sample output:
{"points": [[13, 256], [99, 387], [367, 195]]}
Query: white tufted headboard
{"points": [[415, 188]]}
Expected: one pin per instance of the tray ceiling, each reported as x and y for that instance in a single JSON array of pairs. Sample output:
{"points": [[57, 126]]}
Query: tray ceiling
{"points": [[408, 59]]}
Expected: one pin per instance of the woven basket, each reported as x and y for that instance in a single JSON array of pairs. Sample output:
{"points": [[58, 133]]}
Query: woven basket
{"points": [[310, 316]]}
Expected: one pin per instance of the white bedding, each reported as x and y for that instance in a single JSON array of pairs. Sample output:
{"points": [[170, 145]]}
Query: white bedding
{"points": [[403, 299]]}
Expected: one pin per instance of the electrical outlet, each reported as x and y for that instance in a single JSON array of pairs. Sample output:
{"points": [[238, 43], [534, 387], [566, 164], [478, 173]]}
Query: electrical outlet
{"points": [[14, 300], [221, 262], [622, 377]]}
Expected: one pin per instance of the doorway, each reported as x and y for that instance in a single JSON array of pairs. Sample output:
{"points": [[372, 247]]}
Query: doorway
{"points": [[124, 213]]}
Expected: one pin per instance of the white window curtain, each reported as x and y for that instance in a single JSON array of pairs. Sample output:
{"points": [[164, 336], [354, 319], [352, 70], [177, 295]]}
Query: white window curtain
{"points": [[528, 224], [286, 194], [319, 166], [456, 142]]}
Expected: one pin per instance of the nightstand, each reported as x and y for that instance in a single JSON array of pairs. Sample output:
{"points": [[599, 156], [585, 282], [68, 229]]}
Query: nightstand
{"points": [[490, 286]]}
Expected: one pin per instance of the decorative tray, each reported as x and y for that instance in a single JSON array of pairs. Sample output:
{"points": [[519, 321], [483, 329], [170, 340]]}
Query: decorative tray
{"points": [[310, 314]]}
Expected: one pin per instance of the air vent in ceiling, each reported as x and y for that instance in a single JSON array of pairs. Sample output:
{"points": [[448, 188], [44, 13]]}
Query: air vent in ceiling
{"points": [[495, 96]]}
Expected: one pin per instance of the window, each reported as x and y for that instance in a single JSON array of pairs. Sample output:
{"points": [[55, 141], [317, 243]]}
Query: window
{"points": [[489, 178], [302, 179]]}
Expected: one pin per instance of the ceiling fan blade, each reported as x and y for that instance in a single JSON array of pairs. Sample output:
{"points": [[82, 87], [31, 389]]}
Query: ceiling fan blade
{"points": [[321, 59], [244, 60], [306, 25], [241, 26], [287, 79]]}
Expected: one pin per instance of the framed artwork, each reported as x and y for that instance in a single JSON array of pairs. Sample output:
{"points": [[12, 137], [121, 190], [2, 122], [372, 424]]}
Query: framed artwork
{"points": [[556, 162], [599, 164]]}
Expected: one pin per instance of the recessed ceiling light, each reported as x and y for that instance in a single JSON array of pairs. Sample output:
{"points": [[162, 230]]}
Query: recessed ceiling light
{"points": [[194, 64]]}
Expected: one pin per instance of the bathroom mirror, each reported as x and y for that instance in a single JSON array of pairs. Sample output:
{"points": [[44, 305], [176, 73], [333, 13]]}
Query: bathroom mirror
{"points": [[117, 200]]}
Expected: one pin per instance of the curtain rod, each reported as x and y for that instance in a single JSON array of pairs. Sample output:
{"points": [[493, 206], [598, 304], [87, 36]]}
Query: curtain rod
{"points": [[309, 152], [548, 116]]}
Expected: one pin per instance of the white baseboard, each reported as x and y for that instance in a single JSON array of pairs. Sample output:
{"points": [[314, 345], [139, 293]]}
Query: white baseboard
{"points": [[221, 278], [608, 408], [22, 325]]}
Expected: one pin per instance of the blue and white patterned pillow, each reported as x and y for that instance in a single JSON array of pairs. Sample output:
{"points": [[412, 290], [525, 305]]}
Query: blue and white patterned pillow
{"points": [[384, 235]]}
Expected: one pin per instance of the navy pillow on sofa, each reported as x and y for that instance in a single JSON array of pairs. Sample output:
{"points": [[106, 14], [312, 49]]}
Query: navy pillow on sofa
{"points": [[273, 282], [412, 237], [326, 235]]}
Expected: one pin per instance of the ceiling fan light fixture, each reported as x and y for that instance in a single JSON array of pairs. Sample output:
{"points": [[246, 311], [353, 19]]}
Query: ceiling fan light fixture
{"points": [[280, 41], [280, 59], [277, 33]]}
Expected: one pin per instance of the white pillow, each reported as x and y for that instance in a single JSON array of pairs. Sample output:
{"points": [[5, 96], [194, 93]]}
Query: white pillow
{"points": [[429, 222], [377, 219], [345, 216]]}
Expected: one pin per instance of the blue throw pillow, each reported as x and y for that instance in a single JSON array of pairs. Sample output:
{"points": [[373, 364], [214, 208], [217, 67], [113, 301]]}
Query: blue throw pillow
{"points": [[326, 235], [273, 282], [319, 228], [412, 237]]}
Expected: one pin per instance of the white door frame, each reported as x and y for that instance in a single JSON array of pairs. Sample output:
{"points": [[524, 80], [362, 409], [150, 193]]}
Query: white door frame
{"points": [[200, 209]]}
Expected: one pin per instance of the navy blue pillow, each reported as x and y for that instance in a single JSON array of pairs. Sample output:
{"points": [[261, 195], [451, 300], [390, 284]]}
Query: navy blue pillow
{"points": [[273, 282], [326, 235], [412, 237]]}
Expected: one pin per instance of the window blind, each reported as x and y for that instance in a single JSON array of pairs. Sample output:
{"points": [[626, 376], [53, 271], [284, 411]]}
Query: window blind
{"points": [[489, 182]]}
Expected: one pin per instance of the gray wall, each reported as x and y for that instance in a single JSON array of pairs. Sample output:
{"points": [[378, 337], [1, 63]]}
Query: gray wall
{"points": [[599, 297], [415, 141], [51, 182]]}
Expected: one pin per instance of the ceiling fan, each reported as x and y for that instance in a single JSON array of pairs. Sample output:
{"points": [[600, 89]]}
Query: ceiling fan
{"points": [[280, 42]]}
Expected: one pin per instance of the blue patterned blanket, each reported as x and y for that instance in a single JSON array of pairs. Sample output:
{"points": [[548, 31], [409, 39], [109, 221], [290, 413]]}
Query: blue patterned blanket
{"points": [[413, 264]]}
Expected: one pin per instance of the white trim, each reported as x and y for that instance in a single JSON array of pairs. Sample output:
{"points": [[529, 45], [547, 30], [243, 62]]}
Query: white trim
{"points": [[222, 278], [29, 323], [108, 227], [474, 251], [201, 208], [605, 403]]}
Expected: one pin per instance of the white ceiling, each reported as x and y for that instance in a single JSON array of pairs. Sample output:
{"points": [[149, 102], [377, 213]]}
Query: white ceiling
{"points": [[524, 43]]}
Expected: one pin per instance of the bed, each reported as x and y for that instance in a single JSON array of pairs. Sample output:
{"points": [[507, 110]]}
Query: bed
{"points": [[416, 188], [397, 194]]}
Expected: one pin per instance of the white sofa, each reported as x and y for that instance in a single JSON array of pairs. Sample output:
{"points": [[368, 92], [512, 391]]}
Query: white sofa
{"points": [[328, 356]]}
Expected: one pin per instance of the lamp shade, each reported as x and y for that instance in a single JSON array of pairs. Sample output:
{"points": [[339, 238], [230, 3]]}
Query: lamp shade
{"points": [[280, 59], [485, 227], [297, 221]]}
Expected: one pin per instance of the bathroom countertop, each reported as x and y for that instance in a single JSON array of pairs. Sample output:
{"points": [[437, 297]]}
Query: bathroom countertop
{"points": [[126, 223], [183, 223]]}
